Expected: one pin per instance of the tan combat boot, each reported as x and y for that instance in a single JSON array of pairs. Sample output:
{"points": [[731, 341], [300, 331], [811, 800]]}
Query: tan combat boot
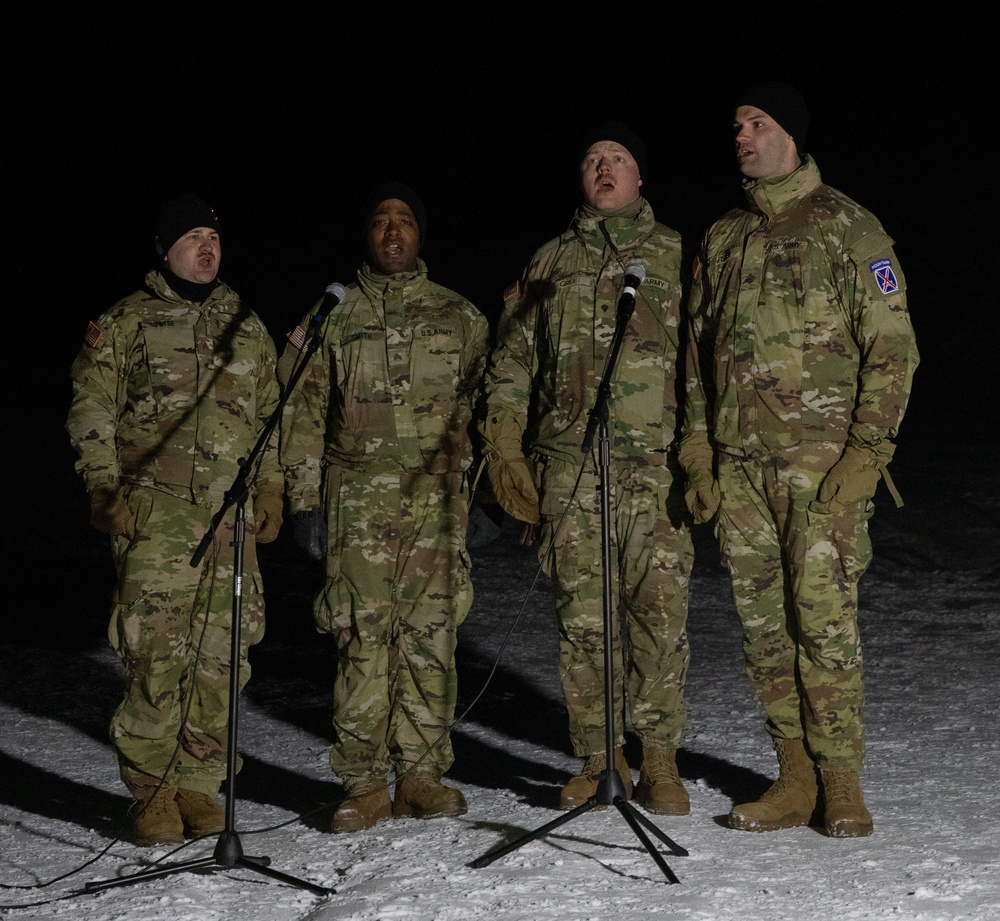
{"points": [[660, 789], [421, 794], [583, 786], [845, 812], [156, 819], [368, 805], [791, 799], [200, 813]]}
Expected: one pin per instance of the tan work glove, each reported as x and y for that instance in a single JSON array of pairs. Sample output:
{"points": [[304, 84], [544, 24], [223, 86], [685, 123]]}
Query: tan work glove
{"points": [[268, 509], [697, 457], [109, 512], [508, 470], [852, 479]]}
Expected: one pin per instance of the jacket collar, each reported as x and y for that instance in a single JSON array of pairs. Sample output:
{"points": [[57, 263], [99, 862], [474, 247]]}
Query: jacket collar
{"points": [[772, 196]]}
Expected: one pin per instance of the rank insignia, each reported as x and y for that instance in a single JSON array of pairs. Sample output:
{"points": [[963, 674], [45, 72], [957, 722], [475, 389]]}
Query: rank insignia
{"points": [[512, 292], [884, 276]]}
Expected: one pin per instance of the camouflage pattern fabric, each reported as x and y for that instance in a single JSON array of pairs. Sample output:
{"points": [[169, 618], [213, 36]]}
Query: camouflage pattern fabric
{"points": [[652, 555], [795, 577], [801, 344], [390, 386], [799, 313], [170, 625], [167, 396], [557, 329], [377, 432], [554, 339], [398, 586]]}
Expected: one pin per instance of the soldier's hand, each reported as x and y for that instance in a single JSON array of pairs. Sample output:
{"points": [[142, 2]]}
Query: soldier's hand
{"points": [[514, 488], [852, 479], [508, 471], [528, 534], [311, 532], [109, 512], [268, 512], [702, 498]]}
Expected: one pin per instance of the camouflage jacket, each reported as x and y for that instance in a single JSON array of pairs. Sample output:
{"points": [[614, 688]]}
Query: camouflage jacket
{"points": [[557, 329], [169, 394], [800, 330], [390, 386]]}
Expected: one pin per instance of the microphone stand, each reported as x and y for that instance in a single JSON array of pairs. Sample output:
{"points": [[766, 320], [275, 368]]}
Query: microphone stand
{"points": [[610, 788], [228, 851]]}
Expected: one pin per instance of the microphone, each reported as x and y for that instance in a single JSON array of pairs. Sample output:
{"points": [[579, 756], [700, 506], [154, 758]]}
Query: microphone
{"points": [[634, 276], [333, 295]]}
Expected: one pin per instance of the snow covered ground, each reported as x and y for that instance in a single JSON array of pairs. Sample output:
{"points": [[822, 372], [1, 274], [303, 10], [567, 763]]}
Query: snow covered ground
{"points": [[931, 625]]}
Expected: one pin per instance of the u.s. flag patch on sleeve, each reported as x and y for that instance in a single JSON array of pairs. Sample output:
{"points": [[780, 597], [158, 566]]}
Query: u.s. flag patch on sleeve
{"points": [[299, 338], [94, 336], [885, 278]]}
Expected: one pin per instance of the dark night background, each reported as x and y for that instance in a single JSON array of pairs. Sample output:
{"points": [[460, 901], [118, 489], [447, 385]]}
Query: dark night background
{"points": [[284, 121]]}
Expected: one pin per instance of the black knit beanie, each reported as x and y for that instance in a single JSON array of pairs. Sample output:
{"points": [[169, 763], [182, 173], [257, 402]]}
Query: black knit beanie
{"points": [[179, 215], [784, 104], [620, 134], [404, 193]]}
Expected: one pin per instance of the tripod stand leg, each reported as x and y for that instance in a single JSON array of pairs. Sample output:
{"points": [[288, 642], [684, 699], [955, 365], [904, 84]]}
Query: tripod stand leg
{"points": [[675, 848], [540, 832], [610, 792], [630, 817], [255, 864], [152, 873], [229, 853]]}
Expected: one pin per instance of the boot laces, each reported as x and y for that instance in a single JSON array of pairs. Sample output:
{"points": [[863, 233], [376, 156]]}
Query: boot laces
{"points": [[366, 787], [660, 767], [157, 806], [161, 802], [595, 764], [840, 789], [423, 780]]}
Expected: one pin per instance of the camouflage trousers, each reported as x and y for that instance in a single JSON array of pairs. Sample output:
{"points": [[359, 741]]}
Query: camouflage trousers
{"points": [[398, 585], [652, 554], [170, 625], [795, 579]]}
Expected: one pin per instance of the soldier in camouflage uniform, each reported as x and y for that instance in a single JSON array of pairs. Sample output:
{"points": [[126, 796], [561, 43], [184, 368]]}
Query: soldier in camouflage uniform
{"points": [[375, 445], [170, 387], [542, 381], [802, 361]]}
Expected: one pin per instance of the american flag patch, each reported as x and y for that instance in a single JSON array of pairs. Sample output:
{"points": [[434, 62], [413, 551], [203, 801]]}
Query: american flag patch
{"points": [[298, 338], [94, 335], [512, 291], [884, 275]]}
